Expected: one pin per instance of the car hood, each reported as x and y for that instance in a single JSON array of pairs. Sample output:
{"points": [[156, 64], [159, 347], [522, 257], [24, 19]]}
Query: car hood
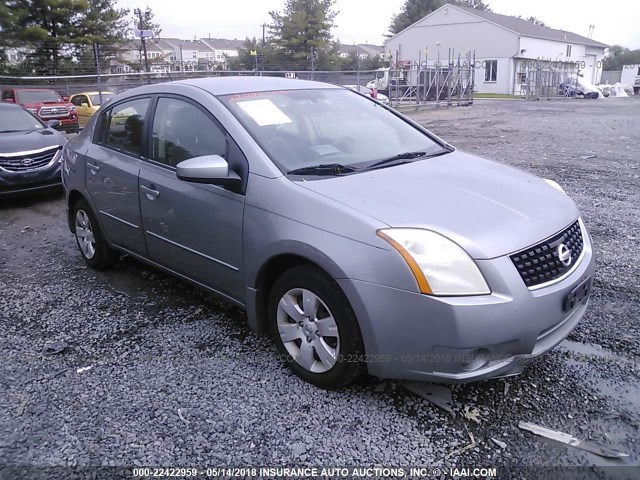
{"points": [[488, 208], [15, 142]]}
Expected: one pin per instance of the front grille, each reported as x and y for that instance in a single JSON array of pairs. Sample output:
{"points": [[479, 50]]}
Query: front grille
{"points": [[541, 263], [54, 112], [25, 163]]}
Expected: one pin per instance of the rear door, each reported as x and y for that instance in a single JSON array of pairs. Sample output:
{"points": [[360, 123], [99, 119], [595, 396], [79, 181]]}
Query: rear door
{"points": [[112, 167], [193, 229]]}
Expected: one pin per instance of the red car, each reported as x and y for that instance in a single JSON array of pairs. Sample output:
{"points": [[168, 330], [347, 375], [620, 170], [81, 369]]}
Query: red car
{"points": [[46, 105]]}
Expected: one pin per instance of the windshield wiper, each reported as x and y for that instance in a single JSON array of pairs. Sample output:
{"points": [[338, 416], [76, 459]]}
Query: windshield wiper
{"points": [[10, 131], [401, 157], [324, 169]]}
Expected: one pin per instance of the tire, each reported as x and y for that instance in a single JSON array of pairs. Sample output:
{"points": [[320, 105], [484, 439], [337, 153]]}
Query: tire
{"points": [[324, 353], [91, 242]]}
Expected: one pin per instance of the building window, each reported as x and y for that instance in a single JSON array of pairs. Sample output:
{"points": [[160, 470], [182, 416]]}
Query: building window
{"points": [[523, 77], [491, 71], [194, 54], [568, 50]]}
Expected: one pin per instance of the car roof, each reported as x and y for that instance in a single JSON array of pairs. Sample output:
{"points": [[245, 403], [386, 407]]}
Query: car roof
{"points": [[236, 84], [92, 93]]}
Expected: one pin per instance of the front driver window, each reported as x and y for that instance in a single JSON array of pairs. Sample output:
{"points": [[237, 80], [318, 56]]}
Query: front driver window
{"points": [[182, 131]]}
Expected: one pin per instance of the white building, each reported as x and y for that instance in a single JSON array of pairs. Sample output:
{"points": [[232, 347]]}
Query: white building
{"points": [[222, 49], [363, 50], [508, 50]]}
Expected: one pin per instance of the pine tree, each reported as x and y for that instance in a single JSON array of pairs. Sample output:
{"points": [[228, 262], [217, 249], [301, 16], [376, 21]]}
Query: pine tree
{"points": [[303, 34], [59, 32]]}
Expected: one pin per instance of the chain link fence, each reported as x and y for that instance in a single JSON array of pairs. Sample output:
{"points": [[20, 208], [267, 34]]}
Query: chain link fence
{"points": [[69, 84]]}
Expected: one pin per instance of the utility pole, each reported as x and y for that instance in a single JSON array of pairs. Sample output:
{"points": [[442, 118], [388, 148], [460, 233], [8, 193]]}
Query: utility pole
{"points": [[138, 12], [96, 52], [264, 40], [313, 62], [181, 61], [358, 72]]}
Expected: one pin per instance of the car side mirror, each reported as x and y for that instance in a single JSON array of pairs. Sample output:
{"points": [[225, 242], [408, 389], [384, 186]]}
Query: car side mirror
{"points": [[212, 169], [53, 123], [65, 98], [85, 105]]}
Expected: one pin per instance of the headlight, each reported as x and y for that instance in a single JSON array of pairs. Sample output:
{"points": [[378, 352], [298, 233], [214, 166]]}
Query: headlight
{"points": [[440, 266], [72, 108], [33, 110], [555, 185]]}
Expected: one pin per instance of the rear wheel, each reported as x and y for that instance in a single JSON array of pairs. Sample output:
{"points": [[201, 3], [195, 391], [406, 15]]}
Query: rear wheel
{"points": [[315, 328], [93, 247]]}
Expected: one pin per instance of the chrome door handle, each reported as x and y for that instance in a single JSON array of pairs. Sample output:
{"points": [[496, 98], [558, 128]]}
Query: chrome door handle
{"points": [[150, 191], [94, 168]]}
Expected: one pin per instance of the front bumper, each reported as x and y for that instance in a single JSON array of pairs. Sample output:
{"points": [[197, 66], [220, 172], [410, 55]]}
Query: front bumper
{"points": [[66, 123], [411, 336], [25, 183]]}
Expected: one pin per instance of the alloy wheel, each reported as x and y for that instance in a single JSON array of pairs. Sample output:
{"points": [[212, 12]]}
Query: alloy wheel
{"points": [[84, 234], [308, 330]]}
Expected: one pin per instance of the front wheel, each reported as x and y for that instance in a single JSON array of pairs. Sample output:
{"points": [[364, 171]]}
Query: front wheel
{"points": [[315, 328], [93, 247]]}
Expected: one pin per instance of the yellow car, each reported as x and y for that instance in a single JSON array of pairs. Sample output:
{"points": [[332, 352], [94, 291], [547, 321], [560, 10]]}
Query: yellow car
{"points": [[88, 103]]}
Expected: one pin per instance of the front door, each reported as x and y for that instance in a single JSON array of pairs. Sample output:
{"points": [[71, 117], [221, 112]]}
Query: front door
{"points": [[112, 168], [83, 108], [193, 229]]}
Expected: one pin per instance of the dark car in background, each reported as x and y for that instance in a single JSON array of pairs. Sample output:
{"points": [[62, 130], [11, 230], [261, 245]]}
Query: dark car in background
{"points": [[30, 152], [45, 104]]}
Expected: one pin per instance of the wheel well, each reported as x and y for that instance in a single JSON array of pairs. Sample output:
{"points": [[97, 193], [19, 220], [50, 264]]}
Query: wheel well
{"points": [[74, 196], [267, 276]]}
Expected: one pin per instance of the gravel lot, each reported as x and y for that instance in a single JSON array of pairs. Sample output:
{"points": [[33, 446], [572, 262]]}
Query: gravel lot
{"points": [[177, 379]]}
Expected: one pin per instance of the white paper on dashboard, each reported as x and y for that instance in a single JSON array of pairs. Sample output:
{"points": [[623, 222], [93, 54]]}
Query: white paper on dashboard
{"points": [[264, 112]]}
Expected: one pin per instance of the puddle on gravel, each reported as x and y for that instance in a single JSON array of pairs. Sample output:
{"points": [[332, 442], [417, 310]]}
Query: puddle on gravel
{"points": [[578, 349]]}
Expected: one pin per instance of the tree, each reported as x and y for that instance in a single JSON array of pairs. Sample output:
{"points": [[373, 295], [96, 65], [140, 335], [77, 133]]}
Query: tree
{"points": [[536, 21], [352, 62], [104, 25], [147, 22], [618, 56], [414, 10], [268, 57], [60, 33], [303, 33], [47, 24]]}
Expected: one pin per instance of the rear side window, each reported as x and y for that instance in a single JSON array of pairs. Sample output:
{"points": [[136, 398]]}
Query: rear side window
{"points": [[182, 131], [78, 100], [122, 126]]}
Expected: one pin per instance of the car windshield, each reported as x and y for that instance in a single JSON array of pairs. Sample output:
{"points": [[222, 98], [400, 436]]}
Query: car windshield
{"points": [[95, 99], [299, 129], [37, 96], [18, 120]]}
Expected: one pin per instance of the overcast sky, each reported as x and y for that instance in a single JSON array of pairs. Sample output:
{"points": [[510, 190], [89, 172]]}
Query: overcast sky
{"points": [[361, 21]]}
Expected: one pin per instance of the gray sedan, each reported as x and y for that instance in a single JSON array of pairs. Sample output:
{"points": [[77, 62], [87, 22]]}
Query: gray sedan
{"points": [[359, 240]]}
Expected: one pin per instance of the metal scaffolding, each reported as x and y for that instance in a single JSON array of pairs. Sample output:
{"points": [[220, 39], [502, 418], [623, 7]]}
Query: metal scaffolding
{"points": [[432, 82], [536, 79]]}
